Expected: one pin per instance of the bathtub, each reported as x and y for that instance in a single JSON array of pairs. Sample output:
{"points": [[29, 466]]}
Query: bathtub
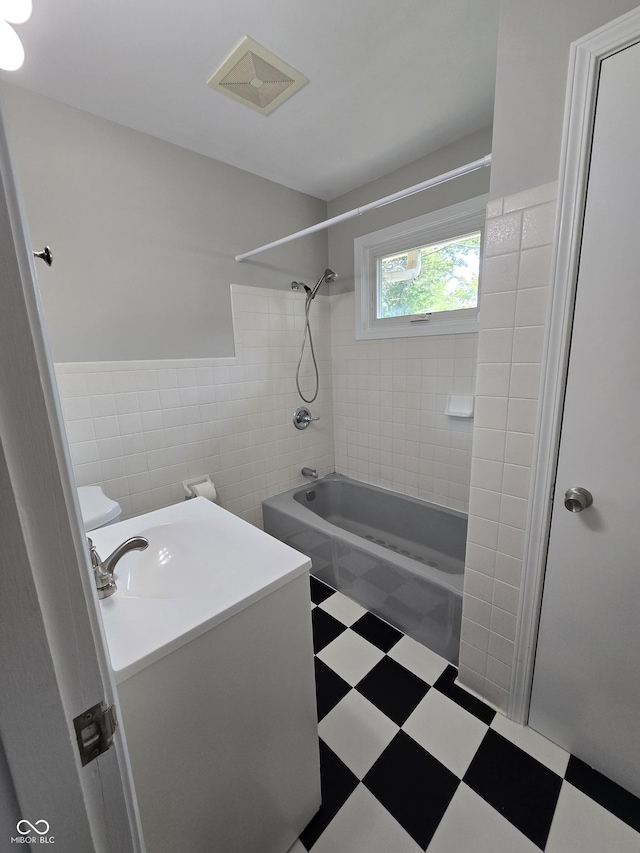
{"points": [[400, 557]]}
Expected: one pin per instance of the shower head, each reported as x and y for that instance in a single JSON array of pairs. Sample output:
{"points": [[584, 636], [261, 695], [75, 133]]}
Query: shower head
{"points": [[328, 276]]}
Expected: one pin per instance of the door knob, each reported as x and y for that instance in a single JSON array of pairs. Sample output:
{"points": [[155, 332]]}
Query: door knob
{"points": [[576, 499], [46, 255]]}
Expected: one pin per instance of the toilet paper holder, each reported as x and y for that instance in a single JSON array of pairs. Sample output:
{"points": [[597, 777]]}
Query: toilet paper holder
{"points": [[199, 486]]}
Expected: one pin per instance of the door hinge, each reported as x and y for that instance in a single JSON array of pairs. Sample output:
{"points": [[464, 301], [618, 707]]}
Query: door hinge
{"points": [[95, 730]]}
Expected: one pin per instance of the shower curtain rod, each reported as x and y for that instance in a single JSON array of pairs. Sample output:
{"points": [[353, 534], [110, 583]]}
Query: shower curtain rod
{"points": [[358, 211]]}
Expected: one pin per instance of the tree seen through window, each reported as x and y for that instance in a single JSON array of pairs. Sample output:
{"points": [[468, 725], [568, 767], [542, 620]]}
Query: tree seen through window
{"points": [[438, 277]]}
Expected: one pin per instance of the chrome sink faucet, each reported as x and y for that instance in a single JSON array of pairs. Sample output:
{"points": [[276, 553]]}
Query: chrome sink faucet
{"points": [[103, 570], [309, 472]]}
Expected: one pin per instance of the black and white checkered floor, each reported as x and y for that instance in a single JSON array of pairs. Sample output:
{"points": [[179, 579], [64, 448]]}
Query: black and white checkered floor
{"points": [[411, 762]]}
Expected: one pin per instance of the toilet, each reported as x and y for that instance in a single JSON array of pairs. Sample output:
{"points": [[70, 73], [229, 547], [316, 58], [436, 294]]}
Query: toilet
{"points": [[97, 509]]}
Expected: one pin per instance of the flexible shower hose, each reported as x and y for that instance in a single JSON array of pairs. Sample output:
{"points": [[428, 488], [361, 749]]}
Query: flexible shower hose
{"points": [[307, 331]]}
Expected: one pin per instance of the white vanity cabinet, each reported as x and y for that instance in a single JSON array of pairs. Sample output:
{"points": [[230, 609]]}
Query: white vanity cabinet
{"points": [[221, 721]]}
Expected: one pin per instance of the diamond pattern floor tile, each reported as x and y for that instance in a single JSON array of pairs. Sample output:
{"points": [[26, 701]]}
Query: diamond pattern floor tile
{"points": [[470, 825], [447, 731], [357, 732], [350, 656], [393, 689], [325, 629], [605, 792], [440, 770], [580, 825], [547, 752], [445, 684], [320, 591], [419, 660], [337, 783], [330, 688], [364, 825], [343, 609], [414, 787], [516, 784], [380, 633]]}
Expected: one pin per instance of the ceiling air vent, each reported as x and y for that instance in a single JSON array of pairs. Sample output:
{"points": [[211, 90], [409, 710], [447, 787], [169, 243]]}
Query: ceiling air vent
{"points": [[256, 77]]}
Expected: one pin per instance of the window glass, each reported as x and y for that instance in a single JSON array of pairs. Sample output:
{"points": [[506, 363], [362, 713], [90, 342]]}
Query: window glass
{"points": [[422, 276], [440, 276]]}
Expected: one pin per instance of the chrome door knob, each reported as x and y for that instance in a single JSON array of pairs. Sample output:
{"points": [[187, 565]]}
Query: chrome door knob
{"points": [[576, 499], [46, 255]]}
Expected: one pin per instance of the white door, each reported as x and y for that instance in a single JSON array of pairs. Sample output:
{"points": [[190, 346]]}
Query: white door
{"points": [[53, 665], [586, 687]]}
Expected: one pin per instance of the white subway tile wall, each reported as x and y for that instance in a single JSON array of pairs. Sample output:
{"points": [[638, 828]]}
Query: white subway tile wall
{"points": [[138, 429], [516, 272], [389, 402]]}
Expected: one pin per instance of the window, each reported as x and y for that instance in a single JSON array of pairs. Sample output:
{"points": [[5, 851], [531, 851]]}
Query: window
{"points": [[421, 277]]}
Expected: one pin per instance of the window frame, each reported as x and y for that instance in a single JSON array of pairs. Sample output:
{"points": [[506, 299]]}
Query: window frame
{"points": [[453, 221]]}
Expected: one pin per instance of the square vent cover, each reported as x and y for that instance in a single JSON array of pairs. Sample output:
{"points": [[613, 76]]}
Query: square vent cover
{"points": [[256, 77]]}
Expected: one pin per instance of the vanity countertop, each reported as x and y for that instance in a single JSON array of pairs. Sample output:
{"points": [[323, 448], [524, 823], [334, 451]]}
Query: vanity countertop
{"points": [[202, 566]]}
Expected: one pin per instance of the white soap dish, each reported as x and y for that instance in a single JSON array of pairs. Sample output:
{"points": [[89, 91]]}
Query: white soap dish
{"points": [[459, 406]]}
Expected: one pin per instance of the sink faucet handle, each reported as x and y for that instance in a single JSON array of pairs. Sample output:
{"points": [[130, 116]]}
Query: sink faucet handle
{"points": [[95, 559], [104, 581]]}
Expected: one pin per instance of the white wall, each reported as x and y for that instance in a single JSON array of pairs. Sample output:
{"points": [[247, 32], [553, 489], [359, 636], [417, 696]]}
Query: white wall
{"points": [[144, 235], [533, 58], [140, 428], [459, 153]]}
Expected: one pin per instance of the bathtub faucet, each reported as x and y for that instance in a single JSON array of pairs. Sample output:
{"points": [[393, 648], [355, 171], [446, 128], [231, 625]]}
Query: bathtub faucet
{"points": [[310, 472]]}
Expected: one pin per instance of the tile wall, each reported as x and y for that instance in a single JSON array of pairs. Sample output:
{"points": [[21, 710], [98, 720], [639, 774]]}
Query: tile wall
{"points": [[389, 401], [139, 429], [517, 266]]}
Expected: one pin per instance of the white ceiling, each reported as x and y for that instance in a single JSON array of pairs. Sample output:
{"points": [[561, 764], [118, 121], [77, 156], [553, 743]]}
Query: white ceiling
{"points": [[389, 80]]}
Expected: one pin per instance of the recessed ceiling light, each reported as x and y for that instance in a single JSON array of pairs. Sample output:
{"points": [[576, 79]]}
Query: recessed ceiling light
{"points": [[254, 76]]}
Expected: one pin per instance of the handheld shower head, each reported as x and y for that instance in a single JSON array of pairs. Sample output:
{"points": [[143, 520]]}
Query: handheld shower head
{"points": [[328, 276]]}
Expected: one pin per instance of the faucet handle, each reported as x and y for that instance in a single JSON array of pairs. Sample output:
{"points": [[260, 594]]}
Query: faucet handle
{"points": [[302, 417], [95, 559]]}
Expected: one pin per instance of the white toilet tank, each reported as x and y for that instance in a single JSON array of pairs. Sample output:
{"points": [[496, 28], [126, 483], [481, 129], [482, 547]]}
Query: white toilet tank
{"points": [[97, 509]]}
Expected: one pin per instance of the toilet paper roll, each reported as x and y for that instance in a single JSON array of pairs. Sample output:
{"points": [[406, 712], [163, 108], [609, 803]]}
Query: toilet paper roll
{"points": [[205, 490]]}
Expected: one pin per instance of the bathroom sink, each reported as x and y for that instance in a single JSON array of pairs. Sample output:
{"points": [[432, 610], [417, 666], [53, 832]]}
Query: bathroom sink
{"points": [[185, 559], [202, 566]]}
